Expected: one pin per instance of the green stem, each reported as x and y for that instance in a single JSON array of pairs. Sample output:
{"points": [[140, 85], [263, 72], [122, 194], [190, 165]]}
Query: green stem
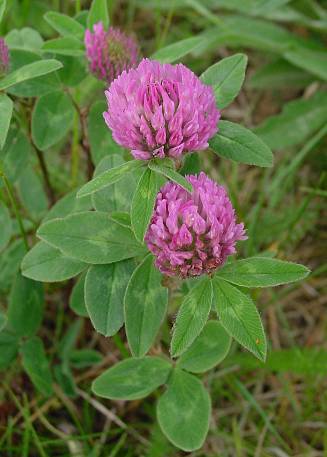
{"points": [[120, 345], [75, 150], [15, 207], [78, 6]]}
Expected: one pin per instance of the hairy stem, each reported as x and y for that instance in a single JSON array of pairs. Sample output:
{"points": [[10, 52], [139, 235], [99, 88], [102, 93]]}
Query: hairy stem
{"points": [[45, 173], [14, 204]]}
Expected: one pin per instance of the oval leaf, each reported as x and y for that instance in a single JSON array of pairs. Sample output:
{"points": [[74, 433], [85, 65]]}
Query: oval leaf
{"points": [[52, 118], [91, 237], [47, 264], [209, 349], [262, 272], [237, 143], [145, 307], [132, 378], [192, 316], [240, 318], [105, 287], [184, 411], [226, 77], [32, 70]]}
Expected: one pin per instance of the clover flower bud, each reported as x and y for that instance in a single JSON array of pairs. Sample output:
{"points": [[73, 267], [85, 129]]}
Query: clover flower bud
{"points": [[110, 52]]}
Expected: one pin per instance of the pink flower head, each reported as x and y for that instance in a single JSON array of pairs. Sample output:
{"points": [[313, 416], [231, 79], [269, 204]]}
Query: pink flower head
{"points": [[4, 57], [193, 234], [109, 52], [160, 110]]}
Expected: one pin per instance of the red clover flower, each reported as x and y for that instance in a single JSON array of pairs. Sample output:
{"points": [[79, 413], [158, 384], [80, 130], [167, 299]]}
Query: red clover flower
{"points": [[193, 234], [161, 110]]}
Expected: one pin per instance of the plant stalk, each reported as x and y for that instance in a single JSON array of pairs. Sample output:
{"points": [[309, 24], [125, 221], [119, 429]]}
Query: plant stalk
{"points": [[15, 208]]}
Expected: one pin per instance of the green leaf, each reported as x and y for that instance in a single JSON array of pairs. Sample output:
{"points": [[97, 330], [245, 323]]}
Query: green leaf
{"points": [[3, 321], [132, 379], [32, 87], [74, 70], [313, 61], [6, 226], [184, 411], [69, 340], [117, 197], [52, 118], [25, 38], [209, 349], [65, 25], [240, 318], [65, 379], [145, 307], [237, 143], [279, 74], [100, 137], [15, 155], [67, 205], [105, 288], [143, 202], [300, 361], [6, 108], [66, 46], [256, 34], [170, 174], [109, 177], [262, 272], [77, 299], [36, 365], [10, 260], [91, 237], [25, 310], [84, 358], [226, 77], [32, 193], [47, 264], [298, 120], [98, 12], [192, 316], [8, 348], [32, 70], [3, 4], [191, 165], [176, 51]]}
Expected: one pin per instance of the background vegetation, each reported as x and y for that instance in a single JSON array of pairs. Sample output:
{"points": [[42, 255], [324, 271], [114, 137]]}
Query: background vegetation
{"points": [[277, 409]]}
